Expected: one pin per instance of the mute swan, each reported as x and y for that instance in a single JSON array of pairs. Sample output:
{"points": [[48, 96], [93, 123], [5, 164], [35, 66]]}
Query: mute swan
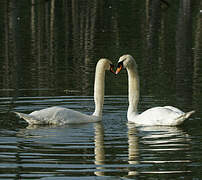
{"points": [[60, 115], [166, 116]]}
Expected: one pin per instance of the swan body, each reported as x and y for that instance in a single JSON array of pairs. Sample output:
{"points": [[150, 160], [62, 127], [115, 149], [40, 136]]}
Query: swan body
{"points": [[59, 115], [157, 116]]}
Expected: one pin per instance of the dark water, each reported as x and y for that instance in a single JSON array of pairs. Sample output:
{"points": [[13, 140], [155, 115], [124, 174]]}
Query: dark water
{"points": [[48, 54]]}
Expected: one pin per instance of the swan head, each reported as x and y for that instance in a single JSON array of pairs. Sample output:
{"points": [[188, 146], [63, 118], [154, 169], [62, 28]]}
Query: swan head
{"points": [[106, 64], [125, 61]]}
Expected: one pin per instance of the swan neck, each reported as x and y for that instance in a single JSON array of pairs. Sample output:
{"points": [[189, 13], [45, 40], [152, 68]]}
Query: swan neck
{"points": [[133, 89], [99, 90]]}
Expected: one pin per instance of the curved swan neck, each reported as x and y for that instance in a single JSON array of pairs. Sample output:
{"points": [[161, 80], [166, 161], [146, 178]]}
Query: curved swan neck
{"points": [[133, 88], [99, 90]]}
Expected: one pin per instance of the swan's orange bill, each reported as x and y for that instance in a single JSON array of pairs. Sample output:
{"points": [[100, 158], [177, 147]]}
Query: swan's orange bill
{"points": [[112, 68], [119, 68]]}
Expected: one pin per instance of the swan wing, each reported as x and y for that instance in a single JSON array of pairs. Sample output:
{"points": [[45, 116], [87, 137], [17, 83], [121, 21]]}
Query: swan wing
{"points": [[27, 117], [166, 116], [57, 115], [174, 109]]}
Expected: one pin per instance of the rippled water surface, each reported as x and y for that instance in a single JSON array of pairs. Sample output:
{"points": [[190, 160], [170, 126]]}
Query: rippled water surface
{"points": [[112, 149], [49, 50]]}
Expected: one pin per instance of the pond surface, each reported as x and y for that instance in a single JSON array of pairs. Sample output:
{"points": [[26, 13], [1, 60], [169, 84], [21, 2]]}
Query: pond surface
{"points": [[49, 50], [112, 149]]}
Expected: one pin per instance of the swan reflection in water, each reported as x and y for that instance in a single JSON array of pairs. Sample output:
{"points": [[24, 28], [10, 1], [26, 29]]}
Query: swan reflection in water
{"points": [[147, 146], [133, 149], [159, 145], [99, 149], [47, 136], [146, 150]]}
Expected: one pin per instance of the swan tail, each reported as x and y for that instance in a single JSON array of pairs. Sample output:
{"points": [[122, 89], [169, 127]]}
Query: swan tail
{"points": [[29, 118], [186, 115]]}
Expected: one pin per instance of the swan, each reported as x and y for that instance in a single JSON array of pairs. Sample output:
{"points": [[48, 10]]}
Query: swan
{"points": [[57, 115], [165, 116]]}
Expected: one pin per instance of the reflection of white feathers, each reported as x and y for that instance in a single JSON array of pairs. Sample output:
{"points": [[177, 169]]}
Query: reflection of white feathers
{"points": [[99, 149], [133, 148], [167, 115], [157, 145], [59, 115], [163, 140], [158, 135]]}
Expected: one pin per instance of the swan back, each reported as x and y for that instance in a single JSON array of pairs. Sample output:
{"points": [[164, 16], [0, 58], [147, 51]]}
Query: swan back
{"points": [[57, 115], [158, 116]]}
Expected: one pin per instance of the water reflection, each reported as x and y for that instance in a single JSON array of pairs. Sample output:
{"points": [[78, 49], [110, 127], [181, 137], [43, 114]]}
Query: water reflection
{"points": [[52, 150], [184, 61], [55, 44], [51, 46], [99, 149], [66, 150], [159, 149], [197, 54], [133, 149]]}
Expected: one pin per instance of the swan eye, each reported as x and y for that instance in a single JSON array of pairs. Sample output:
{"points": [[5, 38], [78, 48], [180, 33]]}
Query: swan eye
{"points": [[119, 67], [120, 64]]}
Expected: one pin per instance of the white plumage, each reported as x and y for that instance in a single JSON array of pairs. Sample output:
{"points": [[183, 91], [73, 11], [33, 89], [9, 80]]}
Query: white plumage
{"points": [[167, 115], [59, 115]]}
